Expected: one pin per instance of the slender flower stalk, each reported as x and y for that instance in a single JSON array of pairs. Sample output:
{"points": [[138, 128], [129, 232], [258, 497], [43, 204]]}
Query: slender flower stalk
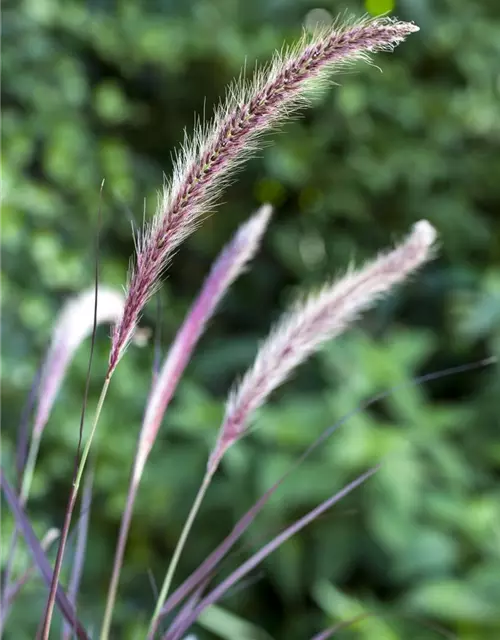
{"points": [[80, 549], [313, 321], [299, 333], [195, 507], [45, 631], [209, 158], [228, 266], [79, 462]]}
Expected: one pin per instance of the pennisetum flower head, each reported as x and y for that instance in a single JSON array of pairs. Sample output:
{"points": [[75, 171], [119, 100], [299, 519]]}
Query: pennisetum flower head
{"points": [[229, 265], [210, 156], [313, 321], [74, 324]]}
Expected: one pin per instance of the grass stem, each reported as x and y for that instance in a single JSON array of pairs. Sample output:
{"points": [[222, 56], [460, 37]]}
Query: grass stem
{"points": [[49, 610], [118, 561], [177, 552]]}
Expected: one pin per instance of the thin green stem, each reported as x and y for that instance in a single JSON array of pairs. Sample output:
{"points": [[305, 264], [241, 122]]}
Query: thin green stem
{"points": [[86, 450], [177, 553], [118, 561], [29, 469], [69, 512]]}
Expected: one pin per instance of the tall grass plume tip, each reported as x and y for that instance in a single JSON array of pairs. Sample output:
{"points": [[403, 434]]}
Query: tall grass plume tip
{"points": [[311, 322], [210, 156], [75, 323]]}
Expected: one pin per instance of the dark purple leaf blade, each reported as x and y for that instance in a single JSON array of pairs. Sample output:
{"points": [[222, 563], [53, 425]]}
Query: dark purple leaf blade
{"points": [[176, 629], [39, 557], [242, 525], [208, 565], [271, 546]]}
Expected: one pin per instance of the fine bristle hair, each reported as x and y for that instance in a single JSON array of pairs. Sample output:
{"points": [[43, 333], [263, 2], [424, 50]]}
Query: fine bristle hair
{"points": [[313, 321], [209, 157]]}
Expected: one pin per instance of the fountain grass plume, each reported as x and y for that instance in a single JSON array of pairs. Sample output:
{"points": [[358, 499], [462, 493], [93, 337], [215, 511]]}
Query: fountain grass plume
{"points": [[228, 266], [313, 321], [210, 156], [75, 323]]}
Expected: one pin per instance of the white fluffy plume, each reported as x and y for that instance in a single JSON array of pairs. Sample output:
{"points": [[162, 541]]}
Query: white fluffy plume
{"points": [[311, 322]]}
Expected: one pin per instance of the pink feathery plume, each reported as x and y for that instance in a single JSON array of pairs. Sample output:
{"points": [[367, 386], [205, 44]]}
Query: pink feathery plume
{"points": [[74, 324], [228, 266], [310, 323], [209, 158]]}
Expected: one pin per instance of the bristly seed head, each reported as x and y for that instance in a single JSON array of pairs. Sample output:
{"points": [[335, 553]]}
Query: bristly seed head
{"points": [[310, 323], [229, 265], [209, 158]]}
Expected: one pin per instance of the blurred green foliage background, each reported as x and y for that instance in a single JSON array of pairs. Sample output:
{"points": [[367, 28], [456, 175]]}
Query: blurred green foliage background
{"points": [[103, 89]]}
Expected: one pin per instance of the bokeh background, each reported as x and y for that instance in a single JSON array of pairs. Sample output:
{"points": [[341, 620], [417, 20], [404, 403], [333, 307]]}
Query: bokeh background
{"points": [[104, 89]]}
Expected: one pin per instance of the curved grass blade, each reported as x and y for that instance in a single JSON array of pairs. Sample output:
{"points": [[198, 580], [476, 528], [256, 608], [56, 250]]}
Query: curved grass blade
{"points": [[271, 546], [176, 629]]}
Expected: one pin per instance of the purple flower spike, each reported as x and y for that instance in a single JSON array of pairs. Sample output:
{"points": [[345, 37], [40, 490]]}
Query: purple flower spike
{"points": [[210, 157]]}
